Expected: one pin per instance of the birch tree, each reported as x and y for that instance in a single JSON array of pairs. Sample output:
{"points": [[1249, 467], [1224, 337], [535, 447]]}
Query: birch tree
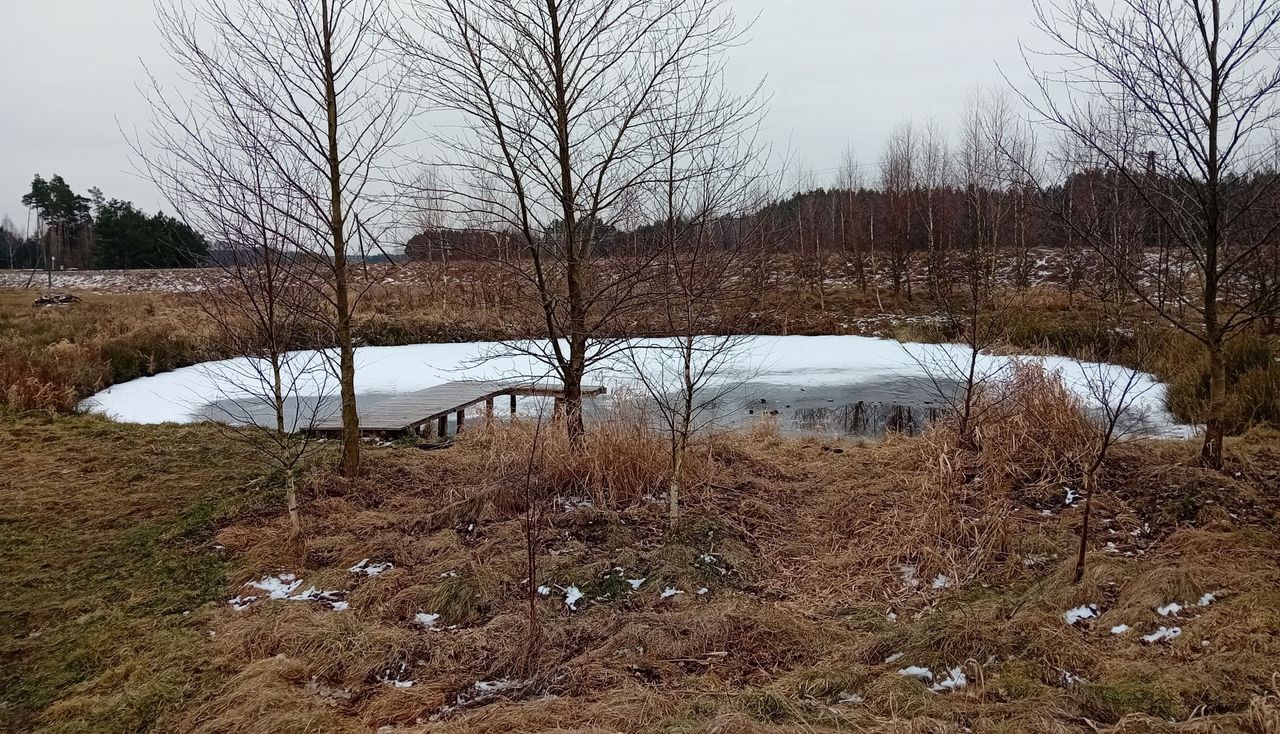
{"points": [[301, 88]]}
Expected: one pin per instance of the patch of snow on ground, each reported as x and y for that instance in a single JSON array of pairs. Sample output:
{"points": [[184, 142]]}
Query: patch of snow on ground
{"points": [[1163, 634], [941, 581], [669, 592], [282, 586], [1071, 679], [571, 597], [955, 679], [1087, 611], [1120, 629], [1170, 609], [370, 569], [847, 697], [894, 657], [277, 587], [908, 572], [915, 671], [635, 583], [1208, 598], [479, 693], [430, 621], [395, 677]]}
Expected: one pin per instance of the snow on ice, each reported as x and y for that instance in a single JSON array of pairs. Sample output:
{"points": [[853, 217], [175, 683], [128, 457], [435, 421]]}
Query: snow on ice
{"points": [[181, 395]]}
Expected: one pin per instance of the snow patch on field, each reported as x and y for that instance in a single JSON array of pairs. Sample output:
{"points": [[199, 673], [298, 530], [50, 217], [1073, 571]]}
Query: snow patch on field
{"points": [[283, 586], [571, 597], [1087, 611], [370, 569], [1163, 634]]}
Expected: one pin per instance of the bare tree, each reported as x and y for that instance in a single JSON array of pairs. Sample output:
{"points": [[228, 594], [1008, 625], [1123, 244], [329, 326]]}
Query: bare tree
{"points": [[850, 181], [301, 87], [898, 181], [259, 294], [934, 180], [270, 397], [708, 185], [974, 309], [1114, 420], [562, 104], [1178, 99]]}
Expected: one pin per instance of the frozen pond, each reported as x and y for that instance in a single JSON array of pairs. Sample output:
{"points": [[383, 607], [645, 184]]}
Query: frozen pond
{"points": [[837, 385]]}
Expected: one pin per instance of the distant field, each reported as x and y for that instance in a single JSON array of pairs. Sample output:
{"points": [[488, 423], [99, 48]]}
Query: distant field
{"points": [[106, 281]]}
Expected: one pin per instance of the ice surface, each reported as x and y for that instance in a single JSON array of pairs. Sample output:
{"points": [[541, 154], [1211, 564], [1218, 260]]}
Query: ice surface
{"points": [[810, 361]]}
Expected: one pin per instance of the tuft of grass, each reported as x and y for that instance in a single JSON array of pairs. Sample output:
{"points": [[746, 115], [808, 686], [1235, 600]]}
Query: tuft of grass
{"points": [[461, 599], [1109, 702], [767, 706]]}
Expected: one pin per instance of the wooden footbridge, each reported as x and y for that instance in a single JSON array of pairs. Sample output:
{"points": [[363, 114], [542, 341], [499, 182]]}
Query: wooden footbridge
{"points": [[415, 412]]}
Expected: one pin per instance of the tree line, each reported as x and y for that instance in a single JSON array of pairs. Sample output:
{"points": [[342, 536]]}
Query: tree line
{"points": [[75, 231]]}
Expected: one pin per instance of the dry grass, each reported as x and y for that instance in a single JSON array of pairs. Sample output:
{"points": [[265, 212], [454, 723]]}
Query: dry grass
{"points": [[801, 544], [53, 357], [106, 560], [798, 542], [801, 549]]}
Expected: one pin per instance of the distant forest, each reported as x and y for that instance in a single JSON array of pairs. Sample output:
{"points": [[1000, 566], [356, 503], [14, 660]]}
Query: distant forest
{"points": [[902, 228], [68, 230]]}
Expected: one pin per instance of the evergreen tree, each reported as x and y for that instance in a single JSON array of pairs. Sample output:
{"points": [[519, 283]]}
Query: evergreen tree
{"points": [[128, 238]]}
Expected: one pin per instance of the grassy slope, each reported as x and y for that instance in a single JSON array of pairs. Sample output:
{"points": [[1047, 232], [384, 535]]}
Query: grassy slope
{"points": [[108, 535], [805, 548], [105, 542], [103, 553]]}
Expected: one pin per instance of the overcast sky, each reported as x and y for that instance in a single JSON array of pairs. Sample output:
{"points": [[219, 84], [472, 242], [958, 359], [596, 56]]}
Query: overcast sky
{"points": [[838, 72]]}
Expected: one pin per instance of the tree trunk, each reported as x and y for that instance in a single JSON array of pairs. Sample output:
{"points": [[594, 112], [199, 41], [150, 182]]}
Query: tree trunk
{"points": [[1090, 478], [291, 499], [337, 225], [1215, 421], [573, 409], [347, 384]]}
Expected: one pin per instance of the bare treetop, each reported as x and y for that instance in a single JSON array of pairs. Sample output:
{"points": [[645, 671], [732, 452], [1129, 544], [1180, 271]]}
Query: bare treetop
{"points": [[617, 68], [257, 71]]}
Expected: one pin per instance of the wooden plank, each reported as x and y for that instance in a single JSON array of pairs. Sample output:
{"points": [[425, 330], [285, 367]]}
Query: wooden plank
{"points": [[407, 411]]}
